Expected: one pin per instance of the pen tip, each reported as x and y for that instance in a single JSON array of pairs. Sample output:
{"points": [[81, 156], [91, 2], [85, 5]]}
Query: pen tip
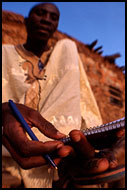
{"points": [[56, 168]]}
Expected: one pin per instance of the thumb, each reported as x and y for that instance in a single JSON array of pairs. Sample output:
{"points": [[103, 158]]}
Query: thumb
{"points": [[45, 126]]}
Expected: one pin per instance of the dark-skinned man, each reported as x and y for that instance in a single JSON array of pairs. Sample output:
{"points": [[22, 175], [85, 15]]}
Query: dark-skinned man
{"points": [[51, 90]]}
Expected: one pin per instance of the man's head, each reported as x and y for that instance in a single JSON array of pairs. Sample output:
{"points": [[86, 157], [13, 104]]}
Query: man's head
{"points": [[42, 21]]}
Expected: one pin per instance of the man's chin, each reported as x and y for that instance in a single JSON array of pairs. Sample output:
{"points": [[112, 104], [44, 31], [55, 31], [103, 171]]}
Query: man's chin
{"points": [[43, 37]]}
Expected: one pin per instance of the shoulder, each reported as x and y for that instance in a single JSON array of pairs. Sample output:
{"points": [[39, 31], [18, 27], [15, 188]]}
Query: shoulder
{"points": [[7, 48], [66, 42], [66, 45]]}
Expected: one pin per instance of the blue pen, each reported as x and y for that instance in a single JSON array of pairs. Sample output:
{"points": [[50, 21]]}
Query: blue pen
{"points": [[28, 129]]}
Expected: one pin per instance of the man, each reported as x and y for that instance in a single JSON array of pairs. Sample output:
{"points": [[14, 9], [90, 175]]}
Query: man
{"points": [[51, 81]]}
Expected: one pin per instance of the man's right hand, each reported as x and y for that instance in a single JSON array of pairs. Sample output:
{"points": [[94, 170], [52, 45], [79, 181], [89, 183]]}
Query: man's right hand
{"points": [[28, 153]]}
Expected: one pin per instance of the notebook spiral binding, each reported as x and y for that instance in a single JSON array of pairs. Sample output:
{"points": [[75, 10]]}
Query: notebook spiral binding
{"points": [[120, 123]]}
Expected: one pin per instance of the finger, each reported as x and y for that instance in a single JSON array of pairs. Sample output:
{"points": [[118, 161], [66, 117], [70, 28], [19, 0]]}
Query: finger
{"points": [[81, 144], [62, 152], [44, 126], [109, 155], [57, 160], [34, 148], [95, 165], [35, 119], [65, 151], [113, 164], [28, 147], [120, 133], [24, 162]]}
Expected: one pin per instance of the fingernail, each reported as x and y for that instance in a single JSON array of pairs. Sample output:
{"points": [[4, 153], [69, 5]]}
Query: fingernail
{"points": [[76, 138], [113, 164], [60, 134], [120, 133], [59, 145]]}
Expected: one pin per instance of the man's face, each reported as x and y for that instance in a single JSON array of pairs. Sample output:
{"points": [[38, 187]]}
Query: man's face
{"points": [[43, 21]]}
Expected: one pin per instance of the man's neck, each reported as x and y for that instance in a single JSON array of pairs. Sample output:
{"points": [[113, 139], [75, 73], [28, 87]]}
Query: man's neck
{"points": [[36, 47]]}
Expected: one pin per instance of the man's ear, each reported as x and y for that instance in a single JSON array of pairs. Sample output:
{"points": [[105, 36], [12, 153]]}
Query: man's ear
{"points": [[26, 21]]}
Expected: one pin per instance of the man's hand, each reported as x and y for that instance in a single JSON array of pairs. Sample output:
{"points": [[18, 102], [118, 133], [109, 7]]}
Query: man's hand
{"points": [[28, 153], [85, 161]]}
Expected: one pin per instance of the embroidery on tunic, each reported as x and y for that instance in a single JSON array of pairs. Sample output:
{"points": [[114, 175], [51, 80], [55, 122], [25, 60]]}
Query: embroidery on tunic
{"points": [[35, 68]]}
